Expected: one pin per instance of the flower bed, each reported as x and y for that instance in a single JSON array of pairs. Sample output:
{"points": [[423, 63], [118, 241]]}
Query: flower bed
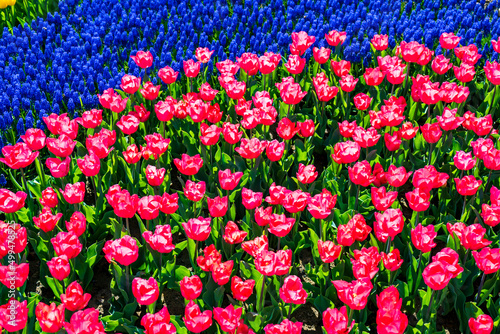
{"points": [[356, 189], [39, 76]]}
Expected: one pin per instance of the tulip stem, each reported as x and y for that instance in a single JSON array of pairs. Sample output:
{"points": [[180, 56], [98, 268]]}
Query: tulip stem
{"points": [[493, 99], [262, 292], [357, 199], [430, 154], [463, 207], [127, 277], [480, 287], [430, 305], [159, 268], [128, 227], [289, 311]]}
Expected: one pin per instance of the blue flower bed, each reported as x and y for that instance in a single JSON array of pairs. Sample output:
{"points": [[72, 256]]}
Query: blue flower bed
{"points": [[62, 62]]}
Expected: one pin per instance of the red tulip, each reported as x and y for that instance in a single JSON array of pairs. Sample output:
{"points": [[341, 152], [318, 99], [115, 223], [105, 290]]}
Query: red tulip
{"points": [[228, 180], [195, 320], [90, 119], [74, 299], [423, 237], [161, 240], [18, 156], [46, 221], [124, 205], [321, 55], [232, 234], [124, 250], [365, 262], [50, 317], [217, 206], [221, 272], [295, 201], [157, 144], [230, 133], [280, 226], [328, 251], [366, 138], [145, 291], [11, 202], [148, 207], [356, 229], [388, 224], [285, 327], [34, 138], [130, 84], [483, 324], [90, 165], [307, 174], [210, 258], [228, 318], [242, 290], [143, 59], [335, 38], [449, 40], [295, 64], [77, 223], [436, 275], [392, 261], [128, 124], [428, 177], [348, 83], [373, 76], [487, 260], [19, 309], [59, 267], [191, 68], [249, 63], [291, 93], [464, 72], [191, 287], [361, 173], [74, 193], [320, 206], [66, 243], [418, 199], [346, 152], [301, 42], [381, 199], [380, 42], [18, 245], [390, 319], [158, 323], [203, 55], [268, 62], [412, 51], [449, 258], [468, 185], [354, 294], [197, 228], [61, 147], [256, 246], [194, 191], [14, 275], [275, 150], [189, 165], [336, 321], [251, 199], [58, 168], [292, 291]]}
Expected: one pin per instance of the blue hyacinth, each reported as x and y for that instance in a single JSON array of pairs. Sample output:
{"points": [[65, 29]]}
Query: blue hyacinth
{"points": [[86, 44]]}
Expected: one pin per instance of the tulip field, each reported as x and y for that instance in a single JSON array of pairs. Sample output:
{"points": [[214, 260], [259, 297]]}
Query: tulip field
{"points": [[304, 187]]}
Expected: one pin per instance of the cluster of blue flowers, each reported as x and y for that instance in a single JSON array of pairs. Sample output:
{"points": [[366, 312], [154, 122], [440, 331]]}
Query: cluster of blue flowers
{"points": [[60, 63]]}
